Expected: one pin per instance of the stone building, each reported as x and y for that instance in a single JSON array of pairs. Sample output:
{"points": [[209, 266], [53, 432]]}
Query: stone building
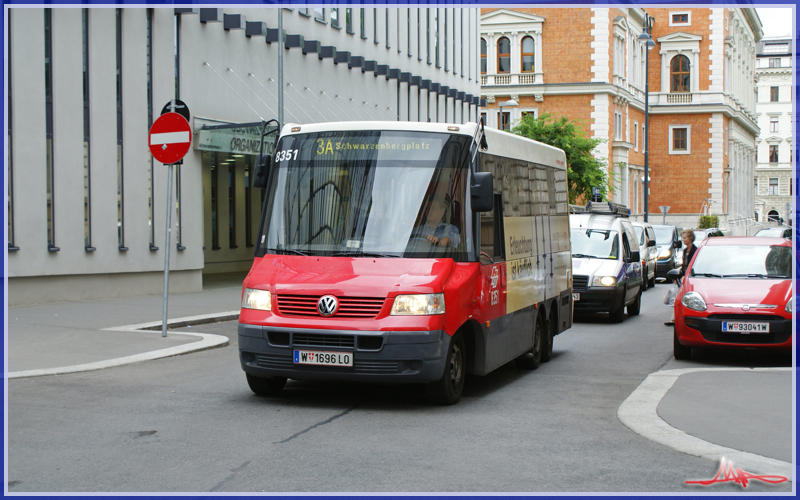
{"points": [[773, 184], [589, 65], [87, 202]]}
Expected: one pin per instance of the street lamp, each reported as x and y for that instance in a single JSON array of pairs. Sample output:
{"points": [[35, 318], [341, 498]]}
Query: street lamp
{"points": [[508, 103], [647, 39]]}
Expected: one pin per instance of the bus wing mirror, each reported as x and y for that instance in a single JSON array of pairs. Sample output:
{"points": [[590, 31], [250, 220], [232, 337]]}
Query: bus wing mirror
{"points": [[262, 170], [482, 192]]}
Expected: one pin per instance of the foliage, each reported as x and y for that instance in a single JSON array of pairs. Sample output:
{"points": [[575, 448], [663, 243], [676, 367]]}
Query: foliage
{"points": [[584, 170], [707, 221]]}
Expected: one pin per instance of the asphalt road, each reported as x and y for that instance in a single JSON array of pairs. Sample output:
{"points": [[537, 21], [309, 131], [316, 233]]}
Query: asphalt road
{"points": [[191, 424]]}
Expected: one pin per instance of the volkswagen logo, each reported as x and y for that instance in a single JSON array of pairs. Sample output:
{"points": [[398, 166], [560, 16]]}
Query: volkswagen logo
{"points": [[745, 307], [327, 305]]}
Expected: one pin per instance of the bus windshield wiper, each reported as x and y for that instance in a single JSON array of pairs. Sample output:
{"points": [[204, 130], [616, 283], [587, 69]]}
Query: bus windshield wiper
{"points": [[362, 254], [287, 250]]}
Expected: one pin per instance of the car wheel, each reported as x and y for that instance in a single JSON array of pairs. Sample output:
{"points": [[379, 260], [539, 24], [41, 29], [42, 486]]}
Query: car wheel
{"points": [[533, 358], [266, 386], [635, 306], [652, 282], [679, 350], [550, 333], [448, 389]]}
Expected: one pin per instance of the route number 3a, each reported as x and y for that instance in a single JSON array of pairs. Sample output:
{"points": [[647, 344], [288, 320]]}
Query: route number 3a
{"points": [[286, 154], [495, 297]]}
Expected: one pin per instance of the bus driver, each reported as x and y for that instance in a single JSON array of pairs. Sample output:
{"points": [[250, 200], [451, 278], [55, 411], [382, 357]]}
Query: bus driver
{"points": [[434, 229]]}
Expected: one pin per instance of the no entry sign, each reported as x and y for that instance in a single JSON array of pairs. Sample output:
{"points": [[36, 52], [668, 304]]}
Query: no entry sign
{"points": [[170, 138]]}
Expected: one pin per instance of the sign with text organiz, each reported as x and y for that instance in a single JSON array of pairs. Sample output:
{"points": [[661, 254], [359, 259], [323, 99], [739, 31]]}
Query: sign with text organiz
{"points": [[243, 138]]}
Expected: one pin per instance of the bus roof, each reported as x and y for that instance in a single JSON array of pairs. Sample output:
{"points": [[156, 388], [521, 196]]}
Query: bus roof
{"points": [[500, 143]]}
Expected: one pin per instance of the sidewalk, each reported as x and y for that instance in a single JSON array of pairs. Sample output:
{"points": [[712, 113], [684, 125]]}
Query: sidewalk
{"points": [[742, 414]]}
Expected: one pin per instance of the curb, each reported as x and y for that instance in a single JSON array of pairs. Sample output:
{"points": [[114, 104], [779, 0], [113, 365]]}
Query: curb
{"points": [[639, 412], [207, 341]]}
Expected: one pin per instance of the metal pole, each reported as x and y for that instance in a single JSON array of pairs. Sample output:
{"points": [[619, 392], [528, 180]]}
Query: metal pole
{"points": [[646, 117], [281, 48], [166, 254]]}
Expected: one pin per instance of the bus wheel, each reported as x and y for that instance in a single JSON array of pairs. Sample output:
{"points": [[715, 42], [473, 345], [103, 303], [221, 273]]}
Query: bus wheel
{"points": [[547, 350], [266, 386], [531, 359], [447, 390]]}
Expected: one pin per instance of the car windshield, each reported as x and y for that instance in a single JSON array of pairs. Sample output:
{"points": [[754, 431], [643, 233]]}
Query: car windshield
{"points": [[774, 232], [594, 243], [367, 194], [743, 261], [663, 234]]}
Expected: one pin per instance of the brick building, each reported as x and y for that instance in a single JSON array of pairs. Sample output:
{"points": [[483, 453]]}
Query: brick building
{"points": [[589, 65]]}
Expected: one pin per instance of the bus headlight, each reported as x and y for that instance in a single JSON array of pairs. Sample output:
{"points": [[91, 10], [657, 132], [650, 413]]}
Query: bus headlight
{"points": [[694, 301], [257, 299], [604, 281], [789, 305], [425, 304]]}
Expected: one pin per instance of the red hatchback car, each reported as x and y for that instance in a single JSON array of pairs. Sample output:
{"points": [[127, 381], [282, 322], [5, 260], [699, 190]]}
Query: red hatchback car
{"points": [[737, 293]]}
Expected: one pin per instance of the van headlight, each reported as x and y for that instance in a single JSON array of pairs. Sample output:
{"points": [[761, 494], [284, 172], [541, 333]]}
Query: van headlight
{"points": [[604, 281], [665, 253], [257, 299], [789, 305], [423, 304], [694, 301]]}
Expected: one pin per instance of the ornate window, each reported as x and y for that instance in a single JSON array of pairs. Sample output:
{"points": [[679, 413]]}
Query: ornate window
{"points": [[483, 56], [527, 55], [503, 55], [679, 74]]}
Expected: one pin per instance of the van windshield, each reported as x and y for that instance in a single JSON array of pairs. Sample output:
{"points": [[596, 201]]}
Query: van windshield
{"points": [[664, 234], [368, 194], [594, 243]]}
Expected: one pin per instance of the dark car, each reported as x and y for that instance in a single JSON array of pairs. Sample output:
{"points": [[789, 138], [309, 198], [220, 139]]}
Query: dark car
{"points": [[668, 242], [776, 232], [737, 292]]}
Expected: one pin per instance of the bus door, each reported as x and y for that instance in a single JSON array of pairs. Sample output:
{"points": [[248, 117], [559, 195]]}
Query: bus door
{"points": [[543, 255]]}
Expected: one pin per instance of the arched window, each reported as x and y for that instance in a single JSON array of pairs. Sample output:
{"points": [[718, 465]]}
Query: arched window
{"points": [[483, 56], [503, 55], [527, 54], [679, 74]]}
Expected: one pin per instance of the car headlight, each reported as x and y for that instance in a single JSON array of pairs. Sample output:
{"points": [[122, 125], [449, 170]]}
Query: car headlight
{"points": [[423, 304], [257, 299], [604, 281], [789, 305], [694, 301], [665, 253]]}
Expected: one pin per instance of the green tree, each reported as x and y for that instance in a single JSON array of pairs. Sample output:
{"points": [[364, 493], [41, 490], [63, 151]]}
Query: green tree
{"points": [[584, 170]]}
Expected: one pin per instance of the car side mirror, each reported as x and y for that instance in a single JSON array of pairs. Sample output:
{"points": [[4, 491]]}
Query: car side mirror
{"points": [[674, 274], [635, 257], [651, 243], [482, 192], [263, 163], [677, 244]]}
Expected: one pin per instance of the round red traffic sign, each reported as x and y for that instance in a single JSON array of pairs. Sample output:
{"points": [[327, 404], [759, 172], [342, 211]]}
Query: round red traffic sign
{"points": [[170, 138]]}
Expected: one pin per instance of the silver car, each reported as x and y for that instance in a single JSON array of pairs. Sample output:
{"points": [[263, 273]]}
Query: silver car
{"points": [[648, 252]]}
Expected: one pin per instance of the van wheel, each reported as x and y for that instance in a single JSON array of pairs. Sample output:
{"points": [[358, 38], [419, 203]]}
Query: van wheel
{"points": [[644, 279], [635, 306], [448, 389], [618, 315], [533, 358], [652, 283], [266, 386], [679, 351], [547, 349]]}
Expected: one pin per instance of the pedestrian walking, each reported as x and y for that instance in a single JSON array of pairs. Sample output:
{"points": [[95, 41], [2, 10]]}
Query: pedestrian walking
{"points": [[687, 236]]}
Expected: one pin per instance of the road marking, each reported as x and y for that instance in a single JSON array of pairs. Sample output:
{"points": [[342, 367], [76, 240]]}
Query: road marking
{"points": [[639, 412]]}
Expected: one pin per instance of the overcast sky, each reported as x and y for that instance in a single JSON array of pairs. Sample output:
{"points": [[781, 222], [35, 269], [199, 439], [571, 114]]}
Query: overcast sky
{"points": [[776, 21]]}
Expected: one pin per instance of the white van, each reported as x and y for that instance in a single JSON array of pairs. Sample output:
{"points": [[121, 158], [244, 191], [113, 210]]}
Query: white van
{"points": [[606, 265]]}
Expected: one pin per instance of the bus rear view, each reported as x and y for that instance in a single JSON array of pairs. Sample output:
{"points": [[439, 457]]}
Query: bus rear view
{"points": [[368, 262]]}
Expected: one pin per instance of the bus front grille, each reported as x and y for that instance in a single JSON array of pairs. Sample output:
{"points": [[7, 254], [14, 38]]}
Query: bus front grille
{"points": [[349, 307]]}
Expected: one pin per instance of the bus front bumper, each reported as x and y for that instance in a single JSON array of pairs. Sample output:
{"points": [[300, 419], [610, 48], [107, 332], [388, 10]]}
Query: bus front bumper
{"points": [[394, 356]]}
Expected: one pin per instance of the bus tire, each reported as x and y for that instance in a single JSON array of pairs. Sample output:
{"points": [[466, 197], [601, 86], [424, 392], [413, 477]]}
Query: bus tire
{"points": [[550, 333], [266, 386], [448, 389], [533, 358]]}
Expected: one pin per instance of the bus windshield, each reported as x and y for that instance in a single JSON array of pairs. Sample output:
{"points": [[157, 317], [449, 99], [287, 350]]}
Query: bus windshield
{"points": [[368, 193], [594, 243]]}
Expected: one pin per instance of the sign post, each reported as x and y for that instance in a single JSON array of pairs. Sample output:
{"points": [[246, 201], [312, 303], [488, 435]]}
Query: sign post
{"points": [[170, 139], [664, 209]]}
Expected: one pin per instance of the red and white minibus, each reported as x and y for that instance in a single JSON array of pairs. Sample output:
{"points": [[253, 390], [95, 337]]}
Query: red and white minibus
{"points": [[406, 252]]}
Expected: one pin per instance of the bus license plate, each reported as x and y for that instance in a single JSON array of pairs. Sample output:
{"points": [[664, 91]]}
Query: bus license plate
{"points": [[745, 327], [323, 358], [576, 297]]}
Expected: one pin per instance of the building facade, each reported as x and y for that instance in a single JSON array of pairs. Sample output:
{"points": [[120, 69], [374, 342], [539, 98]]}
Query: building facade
{"points": [[773, 185], [86, 208], [590, 65]]}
